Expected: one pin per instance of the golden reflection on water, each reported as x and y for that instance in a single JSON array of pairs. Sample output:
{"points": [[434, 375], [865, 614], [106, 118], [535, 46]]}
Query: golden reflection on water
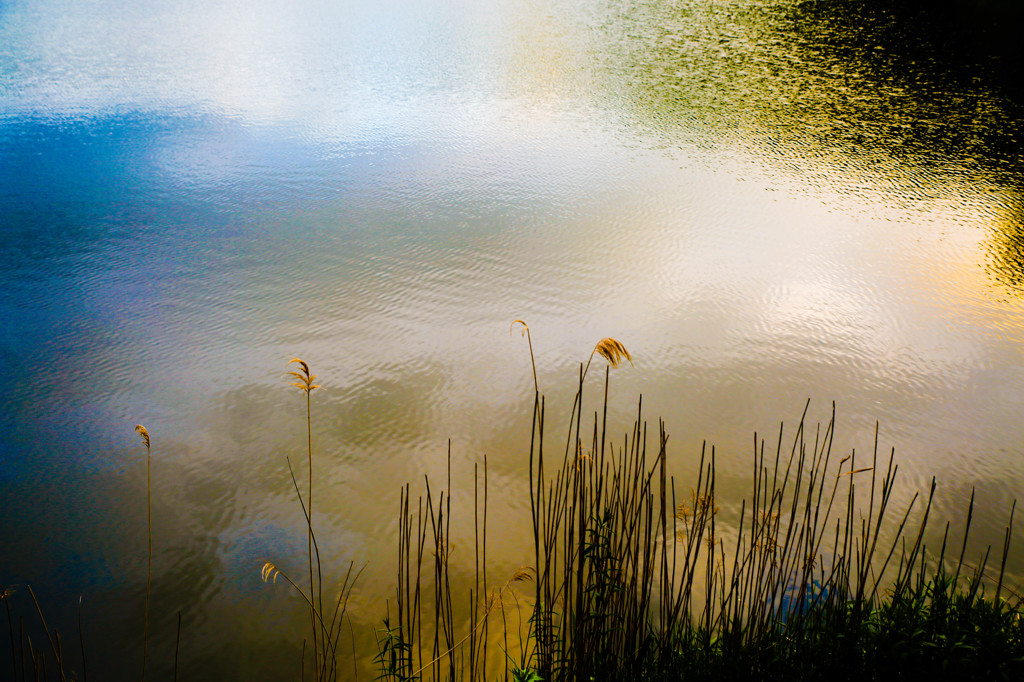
{"points": [[1006, 246]]}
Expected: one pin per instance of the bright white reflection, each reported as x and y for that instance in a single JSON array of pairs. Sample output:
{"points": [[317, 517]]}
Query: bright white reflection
{"points": [[265, 62]]}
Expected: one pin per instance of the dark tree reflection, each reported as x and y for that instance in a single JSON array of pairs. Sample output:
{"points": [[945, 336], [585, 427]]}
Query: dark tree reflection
{"points": [[940, 91], [889, 100]]}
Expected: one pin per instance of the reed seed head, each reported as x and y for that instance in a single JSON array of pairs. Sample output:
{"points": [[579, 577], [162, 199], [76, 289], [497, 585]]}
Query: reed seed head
{"points": [[141, 430], [612, 351], [269, 573], [523, 573], [305, 378]]}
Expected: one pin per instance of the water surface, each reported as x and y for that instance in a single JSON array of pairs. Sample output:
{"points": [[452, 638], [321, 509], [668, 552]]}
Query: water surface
{"points": [[766, 201]]}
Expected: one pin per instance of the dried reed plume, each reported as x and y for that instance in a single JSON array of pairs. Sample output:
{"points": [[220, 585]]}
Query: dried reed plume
{"points": [[611, 350], [305, 379], [141, 430]]}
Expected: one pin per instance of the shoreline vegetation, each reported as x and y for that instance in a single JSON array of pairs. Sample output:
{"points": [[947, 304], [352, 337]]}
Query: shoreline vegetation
{"points": [[633, 577]]}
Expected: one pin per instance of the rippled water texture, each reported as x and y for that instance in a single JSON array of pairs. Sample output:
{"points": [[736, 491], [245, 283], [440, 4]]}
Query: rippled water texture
{"points": [[766, 201]]}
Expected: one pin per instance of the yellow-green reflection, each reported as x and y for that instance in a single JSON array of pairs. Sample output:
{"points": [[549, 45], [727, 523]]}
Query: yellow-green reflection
{"points": [[847, 101]]}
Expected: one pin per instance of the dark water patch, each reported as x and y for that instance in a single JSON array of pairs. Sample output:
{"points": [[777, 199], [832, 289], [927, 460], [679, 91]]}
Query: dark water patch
{"points": [[915, 79]]}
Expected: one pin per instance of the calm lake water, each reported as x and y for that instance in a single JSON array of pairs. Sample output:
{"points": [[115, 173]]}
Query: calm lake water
{"points": [[766, 201]]}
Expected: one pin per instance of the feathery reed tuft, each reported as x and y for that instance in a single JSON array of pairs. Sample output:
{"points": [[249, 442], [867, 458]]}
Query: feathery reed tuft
{"points": [[305, 378], [269, 573], [141, 430], [613, 351]]}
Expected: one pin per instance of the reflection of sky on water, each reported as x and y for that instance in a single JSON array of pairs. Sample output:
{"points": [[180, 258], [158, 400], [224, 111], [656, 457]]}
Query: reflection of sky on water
{"points": [[327, 66]]}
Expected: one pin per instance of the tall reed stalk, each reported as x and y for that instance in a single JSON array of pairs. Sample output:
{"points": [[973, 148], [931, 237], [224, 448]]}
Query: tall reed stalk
{"points": [[636, 582], [141, 430], [428, 637], [325, 627]]}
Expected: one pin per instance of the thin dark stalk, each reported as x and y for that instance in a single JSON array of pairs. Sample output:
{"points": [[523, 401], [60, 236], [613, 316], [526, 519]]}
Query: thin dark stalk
{"points": [[1006, 552], [144, 434], [53, 644], [177, 647], [309, 534], [149, 559], [81, 640], [5, 595], [21, 644]]}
